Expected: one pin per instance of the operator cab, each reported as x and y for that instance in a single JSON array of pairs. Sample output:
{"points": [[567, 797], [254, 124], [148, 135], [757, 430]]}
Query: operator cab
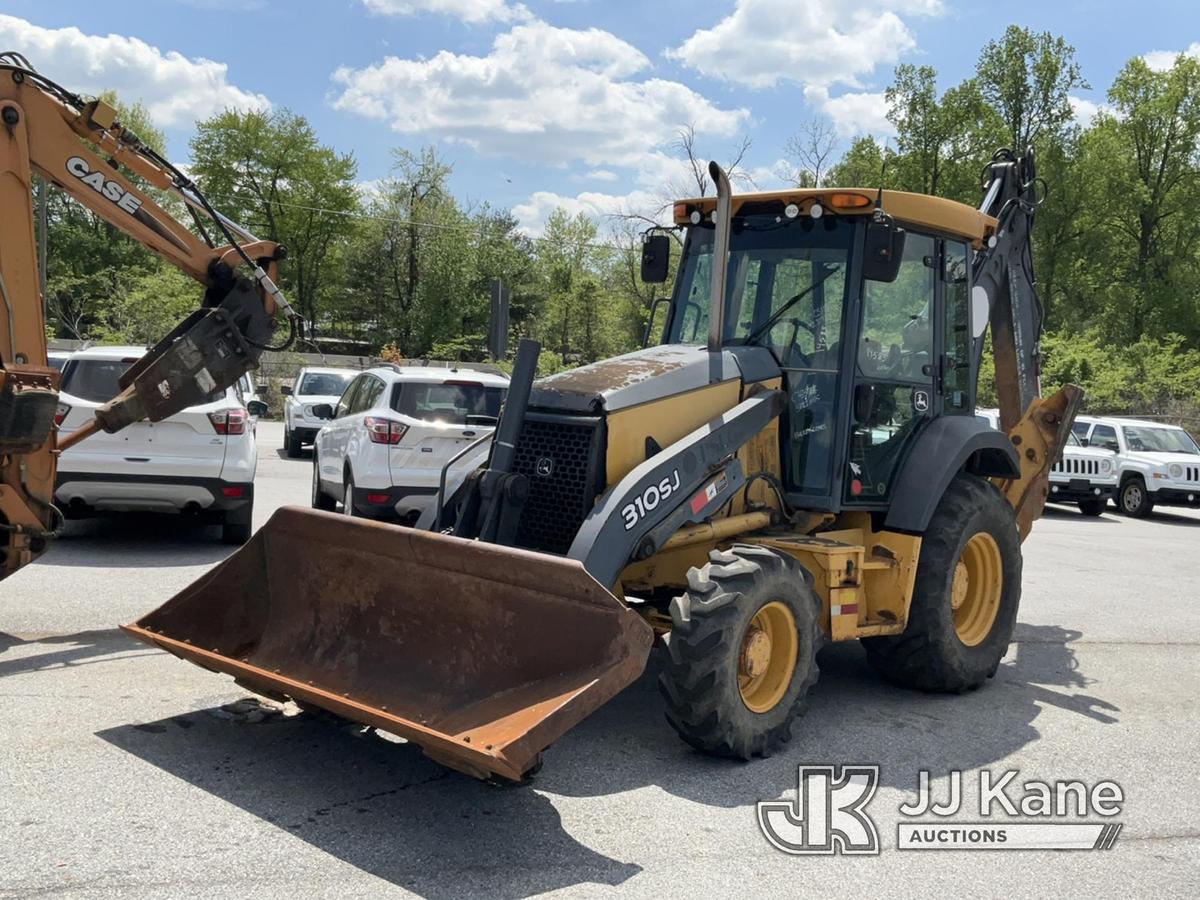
{"points": [[868, 352]]}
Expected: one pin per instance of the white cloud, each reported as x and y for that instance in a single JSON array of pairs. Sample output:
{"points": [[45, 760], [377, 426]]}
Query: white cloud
{"points": [[472, 11], [601, 175], [1084, 110], [533, 213], [1162, 60], [815, 42], [177, 90], [854, 112], [548, 94]]}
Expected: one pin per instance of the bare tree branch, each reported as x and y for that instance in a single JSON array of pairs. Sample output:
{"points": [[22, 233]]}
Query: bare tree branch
{"points": [[811, 150]]}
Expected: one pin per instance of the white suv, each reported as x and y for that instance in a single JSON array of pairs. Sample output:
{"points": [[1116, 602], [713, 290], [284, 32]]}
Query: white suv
{"points": [[1157, 464], [382, 450], [200, 461], [313, 386], [1083, 476]]}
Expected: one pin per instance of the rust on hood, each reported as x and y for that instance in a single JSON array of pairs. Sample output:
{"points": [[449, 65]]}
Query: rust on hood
{"points": [[632, 378], [482, 655]]}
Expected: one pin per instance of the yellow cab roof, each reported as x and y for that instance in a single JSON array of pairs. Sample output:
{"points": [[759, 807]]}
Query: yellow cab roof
{"points": [[918, 210]]}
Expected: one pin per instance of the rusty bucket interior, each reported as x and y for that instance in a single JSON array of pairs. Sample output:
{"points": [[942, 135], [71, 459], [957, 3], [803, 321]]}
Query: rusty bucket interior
{"points": [[481, 654]]}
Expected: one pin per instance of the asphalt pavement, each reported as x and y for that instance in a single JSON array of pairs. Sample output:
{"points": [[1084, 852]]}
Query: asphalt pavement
{"points": [[127, 772]]}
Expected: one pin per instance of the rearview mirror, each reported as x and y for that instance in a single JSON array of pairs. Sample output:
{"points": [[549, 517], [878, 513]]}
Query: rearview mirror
{"points": [[656, 258], [883, 250], [1083, 442], [286, 390], [256, 408], [322, 411]]}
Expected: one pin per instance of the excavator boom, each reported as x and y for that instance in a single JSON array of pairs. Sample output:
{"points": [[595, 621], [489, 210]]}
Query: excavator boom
{"points": [[81, 147]]}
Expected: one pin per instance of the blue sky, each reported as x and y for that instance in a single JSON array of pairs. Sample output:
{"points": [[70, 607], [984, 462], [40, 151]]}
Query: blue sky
{"points": [[549, 102]]}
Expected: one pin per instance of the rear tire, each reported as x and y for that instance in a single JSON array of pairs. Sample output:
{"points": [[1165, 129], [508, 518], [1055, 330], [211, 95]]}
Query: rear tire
{"points": [[1134, 500], [965, 599], [236, 527], [348, 496], [714, 700], [320, 500], [292, 444], [1093, 507]]}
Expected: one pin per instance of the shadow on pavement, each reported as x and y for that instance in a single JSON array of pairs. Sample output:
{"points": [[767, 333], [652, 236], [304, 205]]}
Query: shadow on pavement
{"points": [[136, 540], [304, 455], [1161, 514], [386, 809], [1070, 511], [65, 650]]}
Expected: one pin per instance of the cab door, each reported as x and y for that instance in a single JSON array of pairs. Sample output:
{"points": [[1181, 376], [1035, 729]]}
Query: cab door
{"points": [[895, 371]]}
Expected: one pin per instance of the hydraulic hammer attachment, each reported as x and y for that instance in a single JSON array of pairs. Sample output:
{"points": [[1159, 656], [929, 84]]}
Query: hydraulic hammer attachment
{"points": [[481, 654]]}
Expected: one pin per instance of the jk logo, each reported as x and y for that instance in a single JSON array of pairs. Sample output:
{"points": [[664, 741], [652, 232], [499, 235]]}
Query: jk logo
{"points": [[828, 815]]}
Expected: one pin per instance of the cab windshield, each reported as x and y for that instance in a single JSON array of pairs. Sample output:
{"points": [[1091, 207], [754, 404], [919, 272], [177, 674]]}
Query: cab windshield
{"points": [[1159, 440], [785, 288]]}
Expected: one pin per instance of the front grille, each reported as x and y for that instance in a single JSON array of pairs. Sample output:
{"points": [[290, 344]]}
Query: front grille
{"points": [[1070, 466], [1192, 473], [563, 458]]}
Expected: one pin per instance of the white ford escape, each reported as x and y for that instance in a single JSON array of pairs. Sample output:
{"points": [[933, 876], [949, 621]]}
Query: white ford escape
{"points": [[199, 461], [382, 449]]}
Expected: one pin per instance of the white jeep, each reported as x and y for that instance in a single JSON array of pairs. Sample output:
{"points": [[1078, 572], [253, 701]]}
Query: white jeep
{"points": [[1084, 476], [1156, 464]]}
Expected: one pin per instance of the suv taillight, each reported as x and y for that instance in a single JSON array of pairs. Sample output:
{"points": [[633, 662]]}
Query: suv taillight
{"points": [[229, 421], [384, 431], [61, 413]]}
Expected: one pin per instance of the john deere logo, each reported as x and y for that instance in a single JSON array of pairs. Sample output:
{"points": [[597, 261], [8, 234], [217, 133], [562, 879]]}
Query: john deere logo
{"points": [[544, 467]]}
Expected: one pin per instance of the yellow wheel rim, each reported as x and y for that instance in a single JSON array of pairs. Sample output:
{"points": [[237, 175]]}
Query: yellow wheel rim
{"points": [[767, 657], [976, 589]]}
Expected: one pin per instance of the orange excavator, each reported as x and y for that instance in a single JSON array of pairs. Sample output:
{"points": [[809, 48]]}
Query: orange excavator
{"points": [[81, 147]]}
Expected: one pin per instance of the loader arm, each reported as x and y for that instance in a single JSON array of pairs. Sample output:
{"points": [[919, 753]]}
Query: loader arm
{"points": [[1005, 290], [83, 149]]}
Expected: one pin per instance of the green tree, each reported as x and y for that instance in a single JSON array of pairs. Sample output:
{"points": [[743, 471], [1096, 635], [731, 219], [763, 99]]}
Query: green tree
{"points": [[1027, 79], [269, 171]]}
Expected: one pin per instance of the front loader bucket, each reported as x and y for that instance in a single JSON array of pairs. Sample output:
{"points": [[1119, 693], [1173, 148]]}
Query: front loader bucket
{"points": [[481, 654]]}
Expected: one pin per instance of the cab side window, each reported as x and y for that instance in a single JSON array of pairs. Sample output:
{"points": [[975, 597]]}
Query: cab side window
{"points": [[371, 388], [1105, 437], [346, 404]]}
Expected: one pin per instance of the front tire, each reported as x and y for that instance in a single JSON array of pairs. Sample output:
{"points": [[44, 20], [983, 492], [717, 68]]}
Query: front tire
{"points": [[1094, 507], [292, 444], [741, 655], [965, 598], [1134, 500]]}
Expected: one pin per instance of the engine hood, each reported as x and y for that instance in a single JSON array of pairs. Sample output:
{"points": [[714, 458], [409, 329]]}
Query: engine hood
{"points": [[649, 374], [1163, 458]]}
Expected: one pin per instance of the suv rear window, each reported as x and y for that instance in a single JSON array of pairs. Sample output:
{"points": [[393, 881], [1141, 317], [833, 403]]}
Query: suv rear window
{"points": [[463, 403], [94, 379], [97, 379], [327, 384]]}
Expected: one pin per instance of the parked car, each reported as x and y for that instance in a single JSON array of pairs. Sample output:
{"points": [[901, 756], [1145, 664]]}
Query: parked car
{"points": [[313, 386], [1156, 464], [200, 461], [250, 394], [382, 449], [1083, 476]]}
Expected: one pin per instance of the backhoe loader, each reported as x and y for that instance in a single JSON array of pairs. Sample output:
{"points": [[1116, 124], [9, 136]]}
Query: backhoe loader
{"points": [[81, 147], [797, 461]]}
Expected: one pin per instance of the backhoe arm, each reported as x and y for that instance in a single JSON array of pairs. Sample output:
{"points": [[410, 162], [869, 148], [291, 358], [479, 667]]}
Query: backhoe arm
{"points": [[1004, 286], [81, 148]]}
